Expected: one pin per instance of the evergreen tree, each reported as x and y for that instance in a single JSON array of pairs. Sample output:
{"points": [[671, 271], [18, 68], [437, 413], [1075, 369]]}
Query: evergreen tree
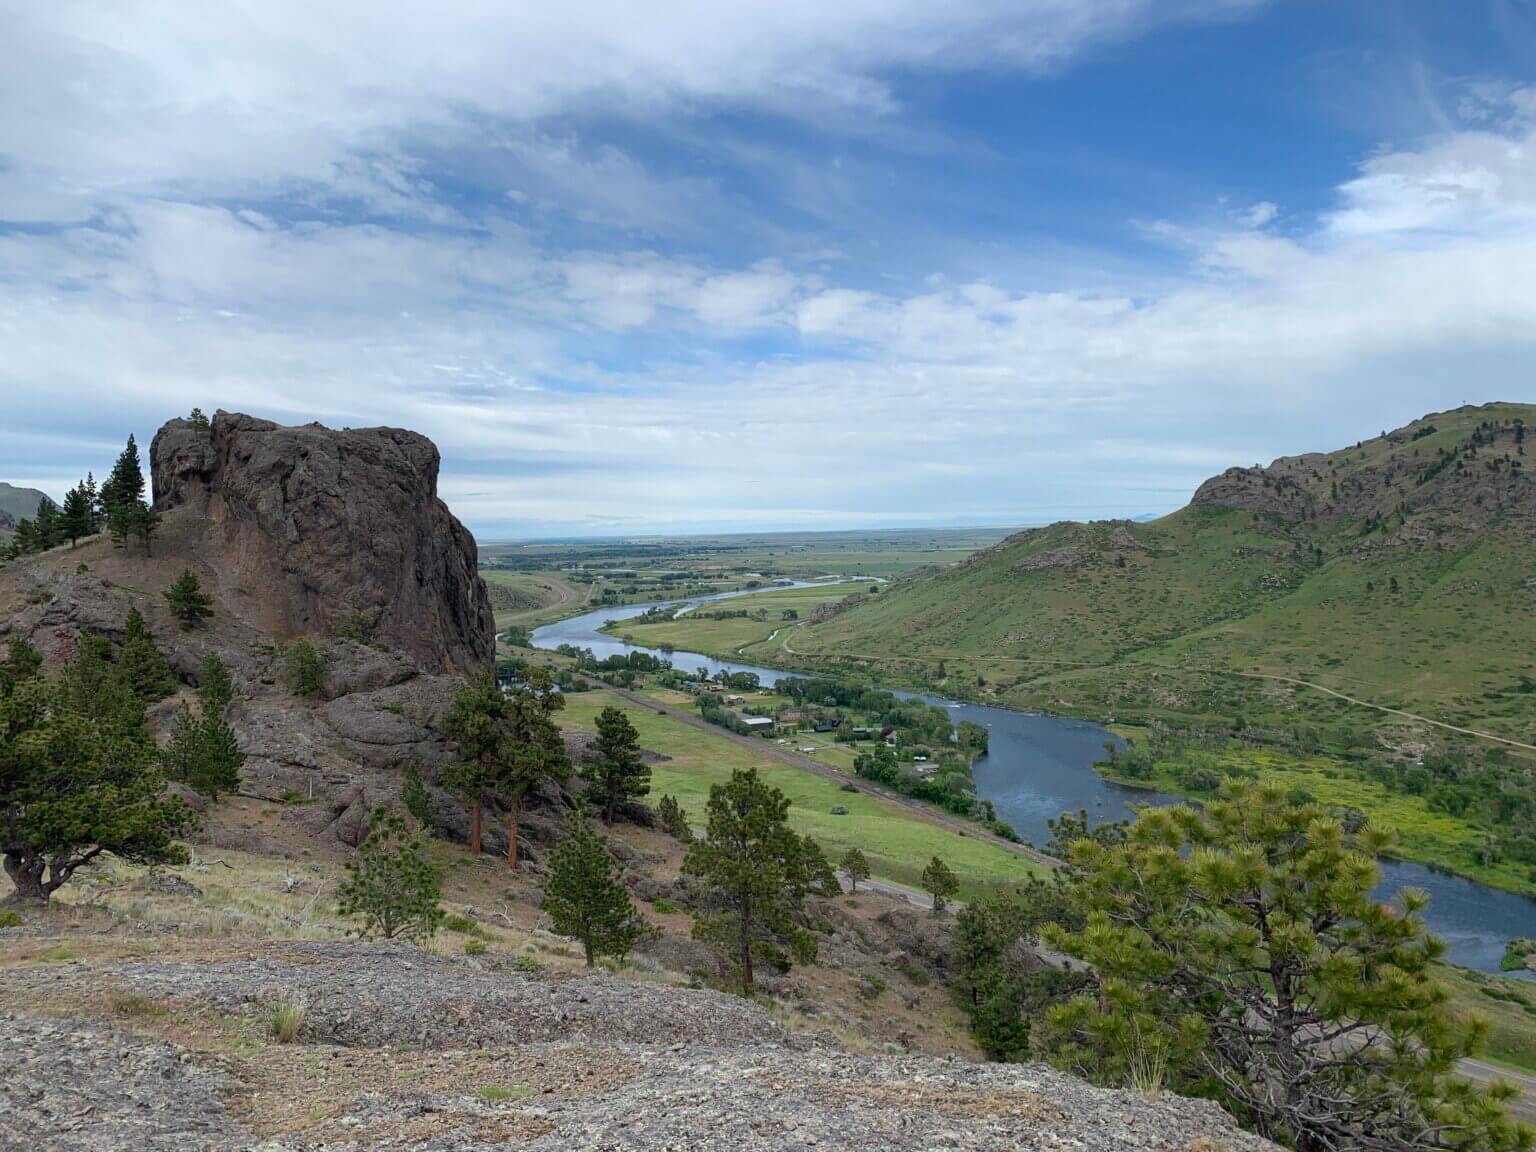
{"points": [[473, 721], [214, 689], [122, 494], [188, 602], [78, 776], [674, 821], [22, 662], [24, 539], [46, 525], [584, 897], [753, 867], [140, 665], [203, 752], [93, 514], [413, 794], [818, 870], [856, 867], [508, 745], [615, 771], [306, 668], [392, 887], [940, 883], [532, 753], [1239, 952], [144, 522], [75, 519]]}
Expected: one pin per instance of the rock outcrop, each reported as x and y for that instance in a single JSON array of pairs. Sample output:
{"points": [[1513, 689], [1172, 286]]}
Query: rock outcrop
{"points": [[319, 527], [402, 1049]]}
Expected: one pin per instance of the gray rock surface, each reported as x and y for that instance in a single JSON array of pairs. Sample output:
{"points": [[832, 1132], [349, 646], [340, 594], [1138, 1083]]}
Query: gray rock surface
{"points": [[73, 1087], [317, 524]]}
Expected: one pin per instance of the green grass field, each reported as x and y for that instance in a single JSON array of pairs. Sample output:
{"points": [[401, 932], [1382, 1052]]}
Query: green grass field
{"points": [[1508, 1006], [897, 843], [693, 632]]}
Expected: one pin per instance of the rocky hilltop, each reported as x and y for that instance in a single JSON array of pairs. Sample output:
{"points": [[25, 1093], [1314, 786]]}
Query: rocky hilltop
{"points": [[314, 525], [337, 536], [400, 1049]]}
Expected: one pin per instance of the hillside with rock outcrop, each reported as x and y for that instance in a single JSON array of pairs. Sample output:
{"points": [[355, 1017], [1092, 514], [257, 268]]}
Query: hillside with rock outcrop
{"points": [[337, 536], [1404, 565]]}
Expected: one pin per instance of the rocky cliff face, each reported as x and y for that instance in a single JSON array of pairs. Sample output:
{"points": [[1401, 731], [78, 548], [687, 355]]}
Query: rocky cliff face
{"points": [[317, 526]]}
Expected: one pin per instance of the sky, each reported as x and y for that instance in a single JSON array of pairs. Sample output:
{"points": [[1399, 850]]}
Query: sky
{"points": [[688, 266]]}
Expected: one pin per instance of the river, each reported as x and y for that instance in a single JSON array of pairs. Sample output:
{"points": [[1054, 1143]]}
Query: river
{"points": [[1037, 767]]}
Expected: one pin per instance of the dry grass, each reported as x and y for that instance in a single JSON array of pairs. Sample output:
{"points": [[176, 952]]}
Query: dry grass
{"points": [[285, 1019]]}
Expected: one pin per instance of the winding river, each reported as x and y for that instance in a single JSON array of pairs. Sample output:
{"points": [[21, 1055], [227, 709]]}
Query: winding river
{"points": [[1037, 767]]}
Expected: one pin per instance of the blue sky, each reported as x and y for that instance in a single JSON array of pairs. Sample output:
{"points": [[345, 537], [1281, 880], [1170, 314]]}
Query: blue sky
{"points": [[768, 266]]}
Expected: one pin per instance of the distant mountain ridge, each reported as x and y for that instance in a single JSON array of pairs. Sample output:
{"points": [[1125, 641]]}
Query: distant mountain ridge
{"points": [[18, 503], [1402, 567]]}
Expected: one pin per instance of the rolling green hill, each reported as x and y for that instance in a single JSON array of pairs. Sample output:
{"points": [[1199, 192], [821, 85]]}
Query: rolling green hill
{"points": [[1400, 571], [1358, 625]]}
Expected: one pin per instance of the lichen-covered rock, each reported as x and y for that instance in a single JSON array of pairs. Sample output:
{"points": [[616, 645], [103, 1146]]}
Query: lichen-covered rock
{"points": [[317, 526]]}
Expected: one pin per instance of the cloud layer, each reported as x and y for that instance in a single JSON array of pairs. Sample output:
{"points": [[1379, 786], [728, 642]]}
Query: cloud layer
{"points": [[364, 215]]}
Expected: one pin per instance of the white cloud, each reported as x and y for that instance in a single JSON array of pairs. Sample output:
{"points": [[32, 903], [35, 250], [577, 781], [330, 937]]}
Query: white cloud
{"points": [[246, 220]]}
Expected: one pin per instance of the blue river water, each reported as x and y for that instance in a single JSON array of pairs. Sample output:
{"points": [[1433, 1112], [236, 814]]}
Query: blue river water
{"points": [[1037, 767]]}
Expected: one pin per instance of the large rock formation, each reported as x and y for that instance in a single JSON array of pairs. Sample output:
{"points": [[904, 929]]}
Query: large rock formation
{"points": [[317, 526]]}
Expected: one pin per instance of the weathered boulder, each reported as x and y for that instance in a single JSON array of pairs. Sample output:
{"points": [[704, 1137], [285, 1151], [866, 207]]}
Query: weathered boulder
{"points": [[318, 527]]}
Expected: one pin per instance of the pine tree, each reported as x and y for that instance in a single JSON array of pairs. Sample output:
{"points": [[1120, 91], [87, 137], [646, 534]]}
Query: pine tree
{"points": [[674, 821], [616, 772], [46, 525], [188, 602], [24, 539], [144, 522], [75, 519], [122, 495], [306, 668], [1240, 950], [584, 897], [140, 664], [203, 752], [818, 870], [413, 794], [855, 867], [940, 883], [93, 513], [753, 866], [80, 776], [214, 689], [392, 886]]}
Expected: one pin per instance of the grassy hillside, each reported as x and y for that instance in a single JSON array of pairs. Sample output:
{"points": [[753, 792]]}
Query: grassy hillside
{"points": [[1402, 572]]}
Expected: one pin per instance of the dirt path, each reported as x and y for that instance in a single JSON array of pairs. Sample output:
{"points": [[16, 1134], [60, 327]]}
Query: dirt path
{"points": [[805, 763]]}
